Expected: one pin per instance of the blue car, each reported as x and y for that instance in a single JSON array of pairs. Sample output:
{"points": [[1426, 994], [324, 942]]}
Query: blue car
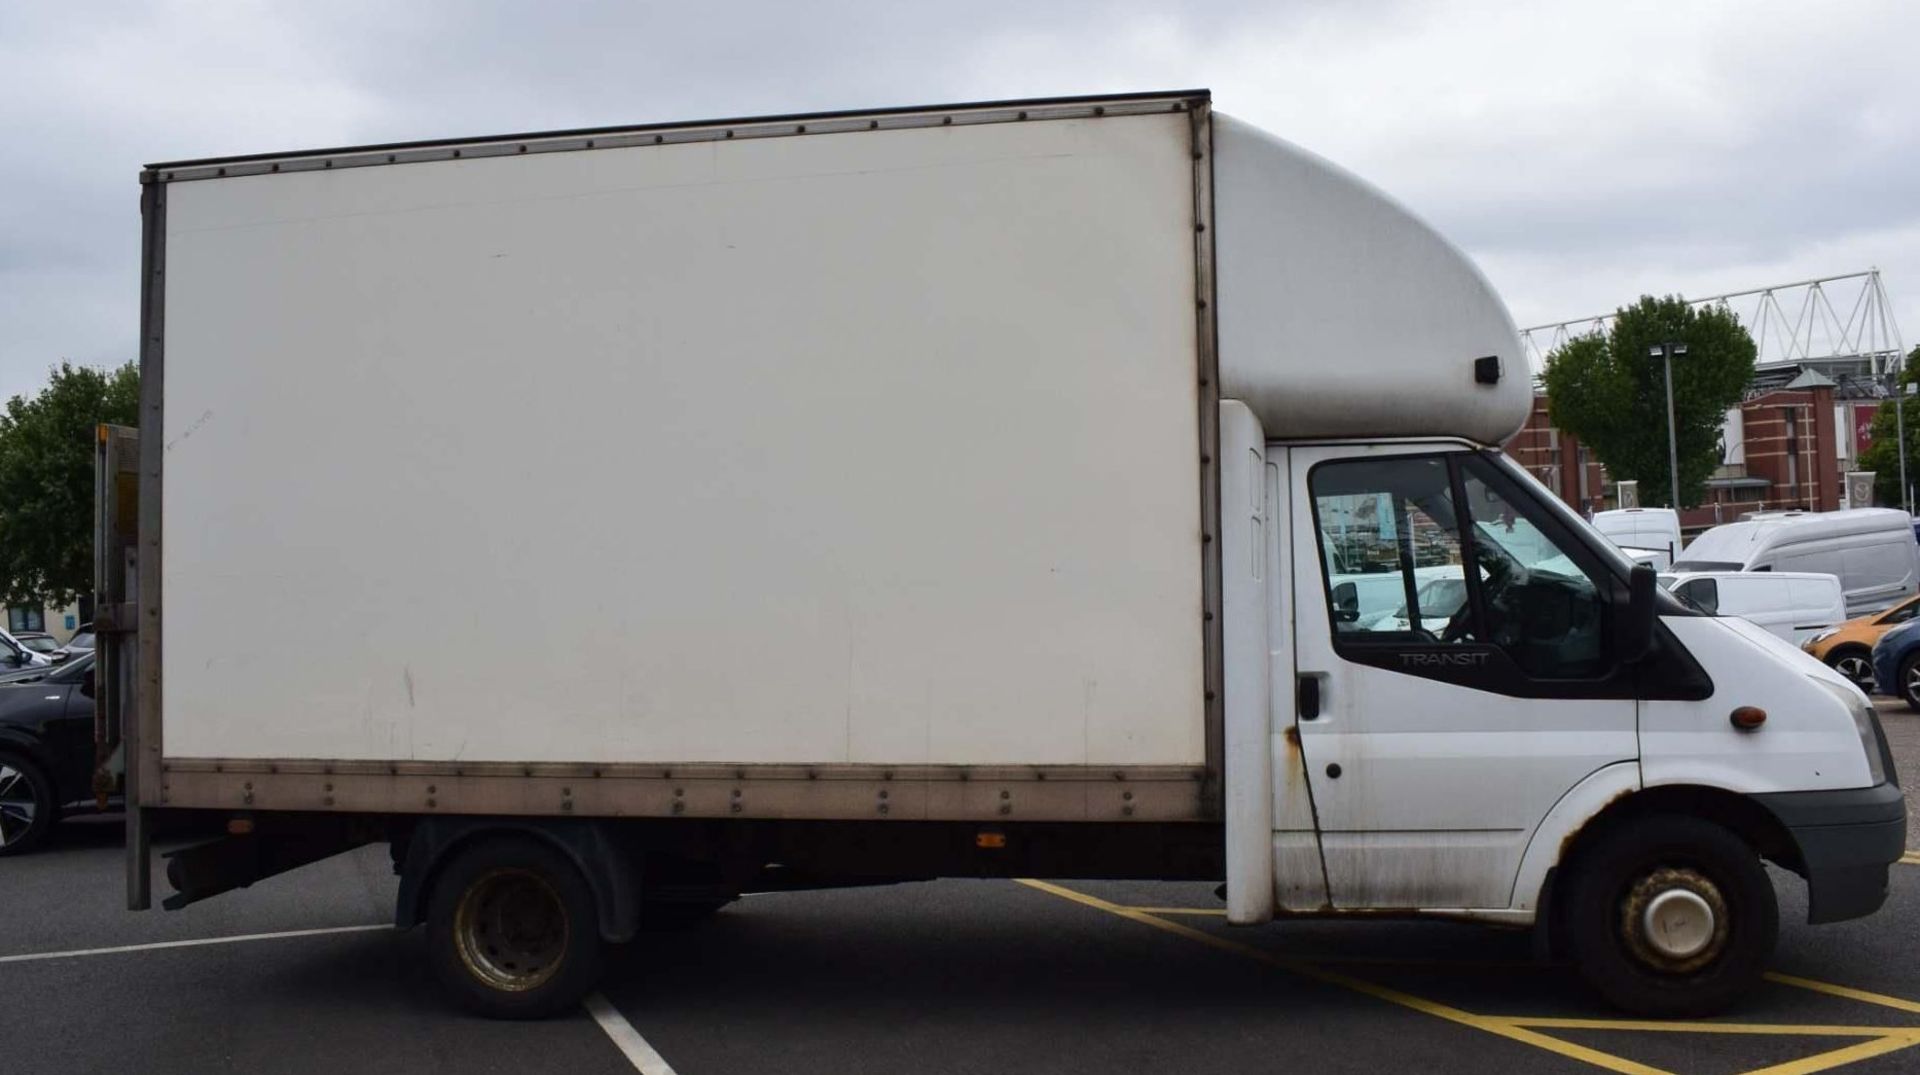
{"points": [[1896, 662]]}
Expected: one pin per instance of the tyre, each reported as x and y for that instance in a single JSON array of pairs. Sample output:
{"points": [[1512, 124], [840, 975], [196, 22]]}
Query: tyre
{"points": [[26, 805], [1909, 681], [1855, 663], [513, 929], [1670, 916]]}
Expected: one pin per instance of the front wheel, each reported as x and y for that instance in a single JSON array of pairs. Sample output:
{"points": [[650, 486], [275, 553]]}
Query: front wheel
{"points": [[513, 930], [1670, 916], [1909, 682], [1854, 663]]}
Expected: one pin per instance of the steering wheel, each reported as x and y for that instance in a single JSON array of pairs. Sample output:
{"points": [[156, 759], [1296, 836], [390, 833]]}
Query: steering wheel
{"points": [[1458, 624]]}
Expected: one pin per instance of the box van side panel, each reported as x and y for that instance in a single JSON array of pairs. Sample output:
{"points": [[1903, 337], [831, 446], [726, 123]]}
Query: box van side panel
{"points": [[786, 562]]}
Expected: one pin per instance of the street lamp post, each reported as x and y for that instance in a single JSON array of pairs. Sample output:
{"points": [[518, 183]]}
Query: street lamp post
{"points": [[1666, 353], [1900, 392]]}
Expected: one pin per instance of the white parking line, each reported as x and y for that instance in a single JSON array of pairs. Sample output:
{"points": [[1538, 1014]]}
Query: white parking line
{"points": [[625, 1038], [30, 957]]}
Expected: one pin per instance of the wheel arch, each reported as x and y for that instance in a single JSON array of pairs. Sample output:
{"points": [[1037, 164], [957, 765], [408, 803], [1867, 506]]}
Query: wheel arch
{"points": [[1908, 656], [22, 743], [1754, 824], [1862, 650], [421, 855], [1740, 814]]}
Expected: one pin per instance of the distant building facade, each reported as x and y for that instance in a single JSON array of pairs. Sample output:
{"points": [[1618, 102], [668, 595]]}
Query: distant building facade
{"points": [[1788, 445], [60, 622]]}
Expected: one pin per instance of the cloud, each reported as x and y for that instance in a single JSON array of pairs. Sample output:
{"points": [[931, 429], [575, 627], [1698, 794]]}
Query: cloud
{"points": [[1584, 154]]}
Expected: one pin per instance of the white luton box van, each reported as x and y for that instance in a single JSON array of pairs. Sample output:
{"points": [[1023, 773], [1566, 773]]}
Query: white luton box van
{"points": [[617, 521]]}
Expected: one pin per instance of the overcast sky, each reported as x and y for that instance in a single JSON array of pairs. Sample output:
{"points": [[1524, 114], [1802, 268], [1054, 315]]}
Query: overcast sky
{"points": [[1583, 153]]}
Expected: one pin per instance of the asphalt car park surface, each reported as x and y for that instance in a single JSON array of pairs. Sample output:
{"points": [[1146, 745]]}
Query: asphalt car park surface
{"points": [[303, 974]]}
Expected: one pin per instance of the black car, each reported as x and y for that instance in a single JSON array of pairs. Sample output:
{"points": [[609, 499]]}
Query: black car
{"points": [[46, 749]]}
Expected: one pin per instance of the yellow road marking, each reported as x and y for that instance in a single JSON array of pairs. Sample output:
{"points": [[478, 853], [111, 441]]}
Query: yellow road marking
{"points": [[1392, 996], [1912, 1036], [1911, 858], [1885, 1001], [1881, 1040], [1834, 1059]]}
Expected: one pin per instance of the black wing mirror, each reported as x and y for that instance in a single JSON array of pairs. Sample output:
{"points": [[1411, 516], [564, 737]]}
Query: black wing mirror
{"points": [[1346, 603], [1633, 623]]}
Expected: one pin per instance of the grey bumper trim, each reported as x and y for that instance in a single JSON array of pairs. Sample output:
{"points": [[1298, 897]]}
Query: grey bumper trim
{"points": [[1847, 839]]}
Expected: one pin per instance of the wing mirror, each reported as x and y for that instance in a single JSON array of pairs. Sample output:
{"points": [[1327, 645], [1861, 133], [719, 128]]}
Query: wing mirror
{"points": [[1633, 622], [1346, 603]]}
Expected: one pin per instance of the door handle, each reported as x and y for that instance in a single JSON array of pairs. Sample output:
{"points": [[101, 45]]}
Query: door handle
{"points": [[1307, 697]]}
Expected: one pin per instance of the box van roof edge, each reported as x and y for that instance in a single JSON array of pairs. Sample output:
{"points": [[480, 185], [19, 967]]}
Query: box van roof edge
{"points": [[1383, 318]]}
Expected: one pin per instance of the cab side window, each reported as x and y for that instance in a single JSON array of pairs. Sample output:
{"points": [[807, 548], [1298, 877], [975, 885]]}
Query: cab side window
{"points": [[1448, 551], [1398, 575]]}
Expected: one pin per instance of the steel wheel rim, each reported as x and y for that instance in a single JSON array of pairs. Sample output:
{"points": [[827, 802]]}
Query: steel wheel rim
{"points": [[1857, 669], [1913, 682], [511, 930], [1678, 923], [18, 807], [1691, 905]]}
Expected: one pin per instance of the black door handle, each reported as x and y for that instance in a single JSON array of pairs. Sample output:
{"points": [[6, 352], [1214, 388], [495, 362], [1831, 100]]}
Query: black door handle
{"points": [[1307, 697]]}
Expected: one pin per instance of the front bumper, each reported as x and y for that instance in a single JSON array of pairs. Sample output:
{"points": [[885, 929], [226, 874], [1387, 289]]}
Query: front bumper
{"points": [[1847, 840]]}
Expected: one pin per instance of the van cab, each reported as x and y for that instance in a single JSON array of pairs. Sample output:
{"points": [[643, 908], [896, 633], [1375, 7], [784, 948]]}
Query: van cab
{"points": [[1871, 550], [1795, 606], [1412, 773]]}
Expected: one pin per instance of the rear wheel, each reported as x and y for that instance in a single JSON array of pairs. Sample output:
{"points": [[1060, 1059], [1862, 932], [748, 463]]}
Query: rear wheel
{"points": [[26, 805], [1671, 916], [1855, 663], [513, 929]]}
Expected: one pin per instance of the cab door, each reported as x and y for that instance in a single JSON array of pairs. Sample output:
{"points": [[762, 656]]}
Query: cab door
{"points": [[1437, 733]]}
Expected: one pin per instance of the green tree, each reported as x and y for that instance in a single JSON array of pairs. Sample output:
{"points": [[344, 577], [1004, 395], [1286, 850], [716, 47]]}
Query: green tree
{"points": [[1610, 393], [1882, 454], [46, 480]]}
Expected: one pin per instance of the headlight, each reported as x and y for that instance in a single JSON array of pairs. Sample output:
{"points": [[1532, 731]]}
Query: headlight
{"points": [[1822, 636], [1866, 722]]}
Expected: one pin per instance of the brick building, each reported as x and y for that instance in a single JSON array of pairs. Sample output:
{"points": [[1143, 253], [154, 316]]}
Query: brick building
{"points": [[1786, 446]]}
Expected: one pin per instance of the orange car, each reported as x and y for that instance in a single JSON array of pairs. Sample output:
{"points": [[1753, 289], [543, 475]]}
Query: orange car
{"points": [[1848, 648]]}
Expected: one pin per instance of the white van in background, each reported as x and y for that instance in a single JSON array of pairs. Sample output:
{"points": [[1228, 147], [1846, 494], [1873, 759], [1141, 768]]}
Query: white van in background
{"points": [[1646, 535], [1794, 605], [1871, 550]]}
